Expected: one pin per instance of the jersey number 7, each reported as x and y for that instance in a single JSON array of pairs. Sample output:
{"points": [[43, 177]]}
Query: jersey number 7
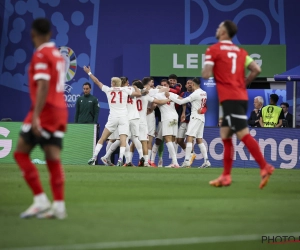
{"points": [[233, 56]]}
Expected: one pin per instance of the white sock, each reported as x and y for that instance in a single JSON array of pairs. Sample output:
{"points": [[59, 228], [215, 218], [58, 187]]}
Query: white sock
{"points": [[203, 151], [176, 147], [127, 152], [171, 150], [59, 206], [108, 145], [188, 151], [149, 152], [130, 155], [154, 152], [40, 198], [138, 146], [146, 158], [112, 148], [97, 150], [122, 152]]}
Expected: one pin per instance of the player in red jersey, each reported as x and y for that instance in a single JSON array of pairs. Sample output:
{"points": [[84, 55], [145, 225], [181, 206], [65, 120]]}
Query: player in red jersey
{"points": [[227, 62], [45, 123]]}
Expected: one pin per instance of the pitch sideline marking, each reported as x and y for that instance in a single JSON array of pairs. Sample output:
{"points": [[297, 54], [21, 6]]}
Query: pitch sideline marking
{"points": [[157, 242]]}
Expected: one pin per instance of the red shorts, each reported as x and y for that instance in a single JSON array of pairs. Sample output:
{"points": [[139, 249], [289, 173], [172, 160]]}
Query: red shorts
{"points": [[52, 118]]}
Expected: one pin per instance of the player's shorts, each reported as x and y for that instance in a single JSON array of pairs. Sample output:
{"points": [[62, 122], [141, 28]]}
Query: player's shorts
{"points": [[151, 124], [114, 135], [143, 136], [47, 138], [195, 128], [168, 128], [159, 131], [234, 114], [134, 126], [118, 123], [182, 130]]}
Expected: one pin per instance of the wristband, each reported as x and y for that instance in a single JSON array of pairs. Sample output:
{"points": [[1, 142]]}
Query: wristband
{"points": [[89, 73]]}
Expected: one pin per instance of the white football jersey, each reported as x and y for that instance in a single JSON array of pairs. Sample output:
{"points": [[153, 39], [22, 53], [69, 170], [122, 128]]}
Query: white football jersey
{"points": [[133, 112], [167, 111], [117, 100], [142, 106], [198, 100], [153, 92]]}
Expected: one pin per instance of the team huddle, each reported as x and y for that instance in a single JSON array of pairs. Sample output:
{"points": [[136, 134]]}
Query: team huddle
{"points": [[132, 117]]}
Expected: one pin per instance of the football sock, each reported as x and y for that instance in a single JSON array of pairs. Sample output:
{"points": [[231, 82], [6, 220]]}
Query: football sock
{"points": [[176, 147], [203, 151], [56, 179], [122, 151], [228, 156], [30, 172], [109, 143], [254, 150], [112, 148], [97, 150], [149, 153], [154, 152], [188, 150], [171, 150], [130, 155], [146, 158], [138, 145]]}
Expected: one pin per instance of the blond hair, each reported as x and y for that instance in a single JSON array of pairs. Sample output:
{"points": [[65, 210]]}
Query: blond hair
{"points": [[116, 81]]}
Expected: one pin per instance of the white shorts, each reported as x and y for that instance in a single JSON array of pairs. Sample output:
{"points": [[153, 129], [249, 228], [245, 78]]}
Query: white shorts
{"points": [[143, 136], [182, 130], [120, 124], [151, 124], [114, 135], [195, 128], [134, 127], [168, 129], [159, 131]]}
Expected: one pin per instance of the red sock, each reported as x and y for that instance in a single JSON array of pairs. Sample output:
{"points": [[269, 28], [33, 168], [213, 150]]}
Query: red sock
{"points": [[254, 150], [228, 156], [29, 171], [56, 179]]}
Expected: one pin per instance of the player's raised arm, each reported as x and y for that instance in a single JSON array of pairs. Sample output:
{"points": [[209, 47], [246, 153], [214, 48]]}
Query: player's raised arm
{"points": [[254, 69], [137, 92], [94, 78], [178, 99]]}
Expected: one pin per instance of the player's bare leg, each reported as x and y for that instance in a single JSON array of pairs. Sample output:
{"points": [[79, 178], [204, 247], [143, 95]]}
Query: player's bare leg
{"points": [[203, 151], [58, 208], [105, 134], [169, 139], [31, 176]]}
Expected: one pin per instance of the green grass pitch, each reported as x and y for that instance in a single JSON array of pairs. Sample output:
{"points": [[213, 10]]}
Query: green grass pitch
{"points": [[111, 204]]}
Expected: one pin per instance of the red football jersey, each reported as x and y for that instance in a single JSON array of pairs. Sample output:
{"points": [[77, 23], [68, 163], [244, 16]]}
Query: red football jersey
{"points": [[229, 70], [48, 64]]}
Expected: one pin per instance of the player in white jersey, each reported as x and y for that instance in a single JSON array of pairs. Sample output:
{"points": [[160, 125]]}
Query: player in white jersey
{"points": [[197, 120], [117, 100], [142, 106], [151, 122], [169, 125]]}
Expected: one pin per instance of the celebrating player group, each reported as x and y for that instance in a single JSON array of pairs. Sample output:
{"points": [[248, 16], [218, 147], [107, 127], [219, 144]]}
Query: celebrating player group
{"points": [[132, 118]]}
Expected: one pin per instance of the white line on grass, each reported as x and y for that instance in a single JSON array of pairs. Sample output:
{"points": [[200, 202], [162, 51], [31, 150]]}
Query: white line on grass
{"points": [[157, 242]]}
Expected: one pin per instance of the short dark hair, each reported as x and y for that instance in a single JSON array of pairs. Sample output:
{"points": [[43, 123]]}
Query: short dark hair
{"points": [[146, 80], [138, 83], [285, 104], [151, 78], [124, 79], [231, 28], [87, 83], [42, 26], [165, 80], [274, 98], [173, 76], [196, 80]]}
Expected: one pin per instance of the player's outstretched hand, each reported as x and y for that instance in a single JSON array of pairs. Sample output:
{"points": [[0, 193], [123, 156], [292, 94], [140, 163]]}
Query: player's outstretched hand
{"points": [[86, 69]]}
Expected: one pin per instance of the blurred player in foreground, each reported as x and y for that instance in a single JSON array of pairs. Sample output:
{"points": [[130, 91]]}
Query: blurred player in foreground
{"points": [[45, 123], [227, 62]]}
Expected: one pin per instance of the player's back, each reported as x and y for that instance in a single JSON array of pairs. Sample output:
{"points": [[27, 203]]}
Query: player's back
{"points": [[117, 100], [229, 70], [48, 64], [199, 98], [132, 109], [142, 106]]}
